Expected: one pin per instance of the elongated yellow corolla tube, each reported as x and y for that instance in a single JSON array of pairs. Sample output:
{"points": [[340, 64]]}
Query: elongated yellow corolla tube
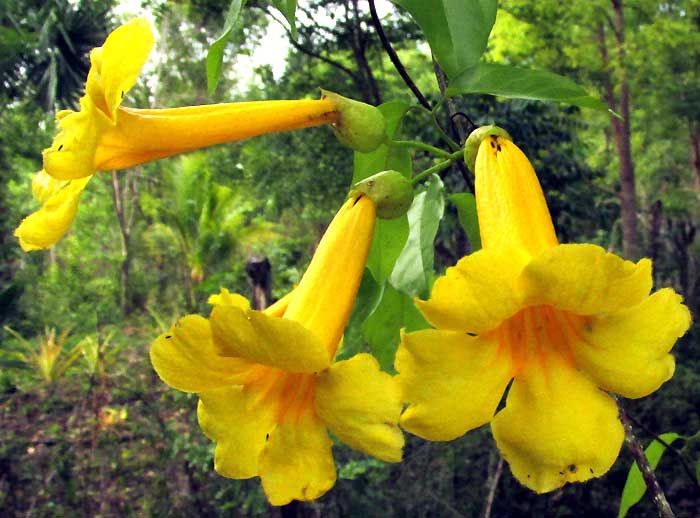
{"points": [[509, 200], [326, 294]]}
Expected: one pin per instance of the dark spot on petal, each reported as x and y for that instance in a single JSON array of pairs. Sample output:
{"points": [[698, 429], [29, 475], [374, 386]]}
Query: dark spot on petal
{"points": [[356, 200], [60, 147], [267, 436], [122, 94], [561, 472], [168, 337], [528, 475], [572, 468], [591, 470], [471, 334], [498, 147], [493, 145]]}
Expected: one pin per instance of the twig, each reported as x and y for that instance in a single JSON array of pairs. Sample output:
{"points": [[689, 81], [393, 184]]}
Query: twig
{"points": [[635, 448], [393, 56], [491, 485]]}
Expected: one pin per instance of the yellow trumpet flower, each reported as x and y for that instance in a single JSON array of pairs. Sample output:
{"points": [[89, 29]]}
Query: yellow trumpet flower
{"points": [[104, 135], [268, 384], [567, 323]]}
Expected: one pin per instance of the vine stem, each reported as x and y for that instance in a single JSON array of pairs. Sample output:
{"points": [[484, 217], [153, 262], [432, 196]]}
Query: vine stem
{"points": [[635, 448], [393, 56]]}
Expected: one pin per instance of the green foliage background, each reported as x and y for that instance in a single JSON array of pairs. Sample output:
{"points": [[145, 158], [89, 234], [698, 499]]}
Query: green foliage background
{"points": [[109, 438]]}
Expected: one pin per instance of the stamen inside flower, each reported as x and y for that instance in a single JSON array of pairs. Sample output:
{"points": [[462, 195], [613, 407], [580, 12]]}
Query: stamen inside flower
{"points": [[537, 331]]}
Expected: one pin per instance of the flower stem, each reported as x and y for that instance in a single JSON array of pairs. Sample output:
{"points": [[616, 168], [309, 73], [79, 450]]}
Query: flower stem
{"points": [[452, 158], [635, 448], [421, 145]]}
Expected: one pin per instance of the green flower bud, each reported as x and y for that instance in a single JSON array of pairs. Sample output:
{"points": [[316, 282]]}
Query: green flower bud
{"points": [[471, 147], [361, 127], [391, 192]]}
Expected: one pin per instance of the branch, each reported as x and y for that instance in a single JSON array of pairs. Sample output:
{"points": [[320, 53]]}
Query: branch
{"points": [[635, 448], [457, 122], [310, 52], [395, 58], [491, 485]]}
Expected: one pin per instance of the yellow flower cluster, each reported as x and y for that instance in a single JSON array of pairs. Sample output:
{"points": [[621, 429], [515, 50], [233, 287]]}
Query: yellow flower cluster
{"points": [[562, 325]]}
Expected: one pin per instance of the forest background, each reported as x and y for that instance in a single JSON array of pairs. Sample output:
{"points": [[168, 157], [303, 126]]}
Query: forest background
{"points": [[89, 429]]}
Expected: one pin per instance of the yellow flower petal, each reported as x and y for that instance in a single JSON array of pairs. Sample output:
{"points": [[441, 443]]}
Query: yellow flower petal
{"points": [[627, 351], [361, 405], [296, 462], [46, 226], [118, 63], [557, 426], [72, 153], [279, 308], [226, 298], [585, 280], [185, 358], [239, 420], [259, 338], [452, 381], [44, 186], [326, 294], [512, 210], [478, 293]]}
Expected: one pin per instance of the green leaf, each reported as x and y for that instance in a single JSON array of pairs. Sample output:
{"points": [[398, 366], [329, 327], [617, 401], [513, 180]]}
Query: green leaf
{"points": [[457, 30], [215, 56], [468, 218], [288, 8], [522, 83], [382, 329], [389, 235], [414, 267], [368, 297], [389, 239], [634, 486]]}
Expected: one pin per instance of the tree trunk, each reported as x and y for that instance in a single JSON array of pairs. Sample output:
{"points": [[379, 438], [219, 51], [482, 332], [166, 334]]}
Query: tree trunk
{"points": [[258, 270], [125, 234], [368, 84], [621, 130]]}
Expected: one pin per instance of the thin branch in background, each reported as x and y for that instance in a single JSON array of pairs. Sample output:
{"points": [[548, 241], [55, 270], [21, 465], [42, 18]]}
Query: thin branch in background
{"points": [[492, 483], [635, 448], [395, 58], [307, 51]]}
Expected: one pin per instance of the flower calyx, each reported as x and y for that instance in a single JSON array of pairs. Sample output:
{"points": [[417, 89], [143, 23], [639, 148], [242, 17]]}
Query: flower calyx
{"points": [[471, 146], [391, 192], [361, 126]]}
